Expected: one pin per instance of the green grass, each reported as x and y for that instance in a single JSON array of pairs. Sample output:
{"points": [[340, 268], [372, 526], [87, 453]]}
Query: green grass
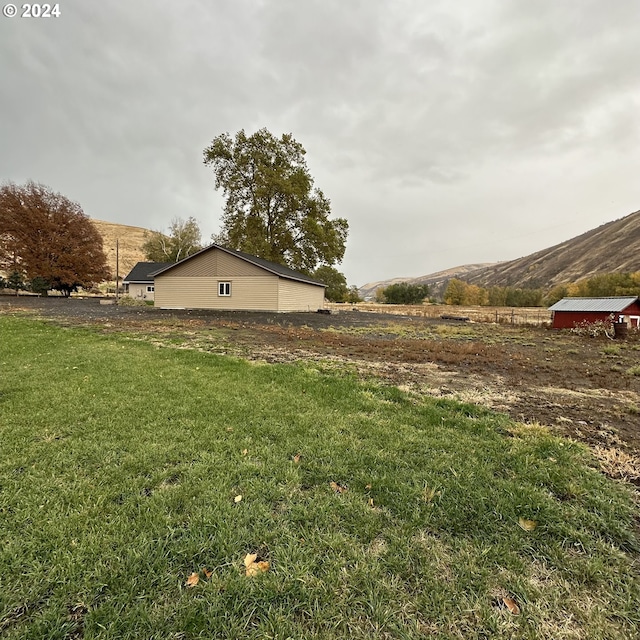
{"points": [[120, 461]]}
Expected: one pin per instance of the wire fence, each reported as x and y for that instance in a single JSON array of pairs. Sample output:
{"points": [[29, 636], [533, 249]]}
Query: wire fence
{"points": [[532, 316]]}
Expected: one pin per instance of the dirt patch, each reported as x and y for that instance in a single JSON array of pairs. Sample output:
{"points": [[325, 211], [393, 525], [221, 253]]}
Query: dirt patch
{"points": [[581, 387]]}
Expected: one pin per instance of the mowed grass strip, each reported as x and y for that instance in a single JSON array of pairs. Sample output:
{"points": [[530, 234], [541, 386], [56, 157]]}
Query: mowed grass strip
{"points": [[126, 468]]}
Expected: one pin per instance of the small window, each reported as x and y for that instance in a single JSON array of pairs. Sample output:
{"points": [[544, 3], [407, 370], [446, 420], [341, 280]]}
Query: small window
{"points": [[150, 289], [224, 288]]}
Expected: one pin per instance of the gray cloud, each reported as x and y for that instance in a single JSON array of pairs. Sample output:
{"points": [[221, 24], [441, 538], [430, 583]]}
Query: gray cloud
{"points": [[445, 132]]}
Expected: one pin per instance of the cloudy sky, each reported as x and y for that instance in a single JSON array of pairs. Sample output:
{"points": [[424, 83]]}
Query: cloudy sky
{"points": [[445, 132]]}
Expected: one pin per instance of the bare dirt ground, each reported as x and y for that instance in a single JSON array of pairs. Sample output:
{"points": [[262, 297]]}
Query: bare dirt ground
{"points": [[584, 388]]}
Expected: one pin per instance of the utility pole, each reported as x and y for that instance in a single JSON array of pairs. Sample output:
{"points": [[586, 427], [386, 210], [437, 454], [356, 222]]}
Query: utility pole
{"points": [[117, 267]]}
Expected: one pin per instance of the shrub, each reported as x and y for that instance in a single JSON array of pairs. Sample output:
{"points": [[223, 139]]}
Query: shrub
{"points": [[594, 329], [128, 301]]}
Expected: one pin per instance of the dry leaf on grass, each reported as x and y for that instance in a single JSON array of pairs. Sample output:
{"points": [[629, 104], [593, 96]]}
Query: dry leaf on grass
{"points": [[510, 603], [527, 525], [237, 499], [253, 567], [245, 451], [297, 458], [257, 568], [193, 580], [338, 488], [208, 572]]}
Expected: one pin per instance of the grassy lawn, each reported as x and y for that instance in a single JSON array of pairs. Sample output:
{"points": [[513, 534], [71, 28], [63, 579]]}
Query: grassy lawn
{"points": [[126, 468]]}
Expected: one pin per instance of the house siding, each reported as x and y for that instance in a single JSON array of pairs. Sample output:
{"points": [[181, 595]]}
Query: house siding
{"points": [[217, 264], [139, 291], [248, 293], [298, 296]]}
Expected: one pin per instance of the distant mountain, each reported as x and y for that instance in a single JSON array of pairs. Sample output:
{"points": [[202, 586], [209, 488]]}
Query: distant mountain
{"points": [[612, 247], [130, 241], [436, 281]]}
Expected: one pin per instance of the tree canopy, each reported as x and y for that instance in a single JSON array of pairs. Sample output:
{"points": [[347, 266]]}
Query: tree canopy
{"points": [[184, 239], [404, 293], [272, 209], [46, 237], [337, 290]]}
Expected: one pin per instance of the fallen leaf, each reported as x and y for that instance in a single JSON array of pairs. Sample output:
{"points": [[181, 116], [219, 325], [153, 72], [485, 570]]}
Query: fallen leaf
{"points": [[257, 568], [371, 502], [527, 525], [253, 568], [250, 558], [208, 572], [229, 429], [510, 603], [338, 488], [367, 486], [297, 458], [245, 451], [237, 499], [193, 580]]}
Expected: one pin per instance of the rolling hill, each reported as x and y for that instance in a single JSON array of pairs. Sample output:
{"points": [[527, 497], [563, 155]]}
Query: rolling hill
{"points": [[611, 247], [130, 241]]}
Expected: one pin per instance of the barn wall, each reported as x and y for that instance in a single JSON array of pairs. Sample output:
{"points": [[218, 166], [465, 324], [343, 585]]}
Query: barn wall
{"points": [[632, 315], [568, 319], [299, 296]]}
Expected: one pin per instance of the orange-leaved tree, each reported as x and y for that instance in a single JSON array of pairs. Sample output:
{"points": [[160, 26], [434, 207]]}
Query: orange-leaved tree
{"points": [[46, 236]]}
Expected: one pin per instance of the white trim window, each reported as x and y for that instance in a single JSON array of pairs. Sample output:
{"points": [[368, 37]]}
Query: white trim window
{"points": [[224, 288], [150, 288]]}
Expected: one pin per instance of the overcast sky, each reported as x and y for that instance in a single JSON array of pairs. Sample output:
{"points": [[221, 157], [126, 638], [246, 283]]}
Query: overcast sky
{"points": [[445, 132]]}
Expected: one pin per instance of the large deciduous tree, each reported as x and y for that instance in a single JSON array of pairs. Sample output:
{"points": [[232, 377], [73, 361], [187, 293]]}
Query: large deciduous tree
{"points": [[45, 235], [184, 239], [272, 209]]}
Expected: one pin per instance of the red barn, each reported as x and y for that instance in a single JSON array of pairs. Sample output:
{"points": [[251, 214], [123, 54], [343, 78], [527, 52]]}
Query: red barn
{"points": [[571, 311]]}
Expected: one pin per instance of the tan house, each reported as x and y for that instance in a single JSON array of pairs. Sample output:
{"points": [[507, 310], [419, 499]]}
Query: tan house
{"points": [[220, 278], [139, 282]]}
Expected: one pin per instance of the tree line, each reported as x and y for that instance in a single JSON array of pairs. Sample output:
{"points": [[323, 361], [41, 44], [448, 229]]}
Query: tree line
{"points": [[458, 292]]}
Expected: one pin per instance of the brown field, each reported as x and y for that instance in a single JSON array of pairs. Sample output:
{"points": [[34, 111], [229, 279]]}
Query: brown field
{"points": [[537, 316], [580, 387]]}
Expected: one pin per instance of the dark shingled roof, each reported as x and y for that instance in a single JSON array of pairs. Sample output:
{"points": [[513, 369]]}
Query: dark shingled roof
{"points": [[143, 270], [613, 304], [273, 267]]}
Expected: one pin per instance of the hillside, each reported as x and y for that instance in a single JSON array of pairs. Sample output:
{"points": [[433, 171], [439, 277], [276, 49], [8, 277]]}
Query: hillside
{"points": [[130, 241], [612, 247], [436, 281]]}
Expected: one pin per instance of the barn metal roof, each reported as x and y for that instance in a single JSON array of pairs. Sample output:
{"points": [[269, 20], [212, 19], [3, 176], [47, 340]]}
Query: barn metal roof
{"points": [[613, 304]]}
